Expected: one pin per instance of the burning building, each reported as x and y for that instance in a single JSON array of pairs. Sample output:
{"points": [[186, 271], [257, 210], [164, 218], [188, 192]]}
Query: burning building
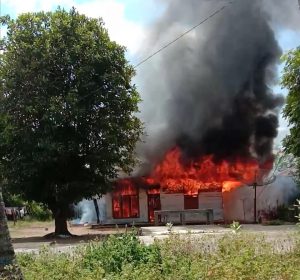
{"points": [[176, 188], [209, 111]]}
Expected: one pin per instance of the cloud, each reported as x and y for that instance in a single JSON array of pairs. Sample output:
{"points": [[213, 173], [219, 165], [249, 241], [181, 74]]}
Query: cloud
{"points": [[121, 29]]}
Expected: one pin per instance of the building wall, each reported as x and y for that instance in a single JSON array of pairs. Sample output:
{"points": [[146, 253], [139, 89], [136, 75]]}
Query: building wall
{"points": [[207, 200], [174, 201], [212, 200]]}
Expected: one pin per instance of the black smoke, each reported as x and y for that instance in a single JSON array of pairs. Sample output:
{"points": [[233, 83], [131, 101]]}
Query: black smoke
{"points": [[210, 93]]}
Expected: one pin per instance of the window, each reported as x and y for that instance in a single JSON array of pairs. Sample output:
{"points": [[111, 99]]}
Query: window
{"points": [[125, 201], [191, 201]]}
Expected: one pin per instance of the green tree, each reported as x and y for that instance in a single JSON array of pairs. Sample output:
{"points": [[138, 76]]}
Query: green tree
{"points": [[68, 122], [291, 81]]}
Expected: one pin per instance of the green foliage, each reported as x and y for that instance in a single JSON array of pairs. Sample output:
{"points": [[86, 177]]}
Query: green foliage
{"points": [[50, 266], [68, 120], [38, 211], [118, 251], [291, 81], [13, 200], [235, 227], [177, 257]]}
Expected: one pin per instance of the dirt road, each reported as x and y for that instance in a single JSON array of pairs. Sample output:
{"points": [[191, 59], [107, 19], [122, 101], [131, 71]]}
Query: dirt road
{"points": [[31, 236]]}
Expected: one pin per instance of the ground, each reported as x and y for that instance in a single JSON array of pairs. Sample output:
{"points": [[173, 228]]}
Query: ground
{"points": [[30, 236]]}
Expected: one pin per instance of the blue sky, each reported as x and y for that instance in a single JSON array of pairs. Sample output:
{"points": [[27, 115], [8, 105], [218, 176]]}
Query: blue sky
{"points": [[126, 21]]}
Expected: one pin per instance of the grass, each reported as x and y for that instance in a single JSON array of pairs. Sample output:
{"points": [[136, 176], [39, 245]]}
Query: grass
{"points": [[29, 228], [233, 256], [29, 223]]}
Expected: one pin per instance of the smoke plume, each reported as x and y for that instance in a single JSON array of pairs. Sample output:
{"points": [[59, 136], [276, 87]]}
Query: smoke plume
{"points": [[210, 92]]}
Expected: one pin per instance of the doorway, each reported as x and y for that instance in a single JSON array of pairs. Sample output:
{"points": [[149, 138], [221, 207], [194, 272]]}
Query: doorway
{"points": [[153, 205]]}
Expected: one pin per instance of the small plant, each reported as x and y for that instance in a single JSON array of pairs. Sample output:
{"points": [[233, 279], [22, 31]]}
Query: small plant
{"points": [[235, 227], [169, 226]]}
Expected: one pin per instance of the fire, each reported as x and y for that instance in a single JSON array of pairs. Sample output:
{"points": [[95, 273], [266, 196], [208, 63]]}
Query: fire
{"points": [[203, 174], [125, 200], [172, 175]]}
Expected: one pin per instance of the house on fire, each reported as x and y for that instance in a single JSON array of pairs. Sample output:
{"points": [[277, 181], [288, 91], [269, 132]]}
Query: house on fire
{"points": [[133, 202], [136, 203], [199, 191]]}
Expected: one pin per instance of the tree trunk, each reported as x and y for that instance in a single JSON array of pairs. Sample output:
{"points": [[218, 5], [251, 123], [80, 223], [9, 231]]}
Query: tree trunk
{"points": [[97, 210], [7, 254], [61, 227]]}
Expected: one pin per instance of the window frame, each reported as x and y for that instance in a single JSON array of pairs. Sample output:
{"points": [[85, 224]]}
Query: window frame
{"points": [[121, 203]]}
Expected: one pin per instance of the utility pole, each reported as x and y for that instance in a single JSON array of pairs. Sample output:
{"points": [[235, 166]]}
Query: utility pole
{"points": [[254, 186], [259, 181]]}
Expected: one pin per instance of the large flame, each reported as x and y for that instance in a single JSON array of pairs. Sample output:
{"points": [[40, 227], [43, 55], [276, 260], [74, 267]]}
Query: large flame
{"points": [[202, 174], [175, 176]]}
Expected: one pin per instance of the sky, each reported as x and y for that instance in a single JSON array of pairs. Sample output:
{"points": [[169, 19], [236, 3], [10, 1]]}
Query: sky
{"points": [[127, 21]]}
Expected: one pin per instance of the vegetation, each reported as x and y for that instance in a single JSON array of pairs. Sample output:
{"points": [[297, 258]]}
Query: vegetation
{"points": [[13, 200], [67, 109], [36, 211], [235, 227], [291, 81], [178, 257]]}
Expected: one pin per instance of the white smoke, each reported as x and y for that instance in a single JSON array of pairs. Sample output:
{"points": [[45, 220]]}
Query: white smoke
{"points": [[85, 211]]}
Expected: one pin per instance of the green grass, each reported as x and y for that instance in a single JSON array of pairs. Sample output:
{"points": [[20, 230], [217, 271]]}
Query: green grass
{"points": [[234, 256]]}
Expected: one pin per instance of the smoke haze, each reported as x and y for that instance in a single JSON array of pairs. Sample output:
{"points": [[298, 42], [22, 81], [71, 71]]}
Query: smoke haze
{"points": [[209, 93]]}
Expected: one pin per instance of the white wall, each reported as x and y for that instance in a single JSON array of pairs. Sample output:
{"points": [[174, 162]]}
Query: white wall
{"points": [[207, 200], [212, 200], [172, 201], [239, 203]]}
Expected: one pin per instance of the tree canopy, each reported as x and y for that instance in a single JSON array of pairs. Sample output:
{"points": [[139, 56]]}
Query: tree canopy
{"points": [[68, 108], [291, 81]]}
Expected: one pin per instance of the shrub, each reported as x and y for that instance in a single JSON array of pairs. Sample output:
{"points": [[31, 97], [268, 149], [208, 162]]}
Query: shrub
{"points": [[13, 200], [117, 251], [186, 257], [48, 265], [38, 211]]}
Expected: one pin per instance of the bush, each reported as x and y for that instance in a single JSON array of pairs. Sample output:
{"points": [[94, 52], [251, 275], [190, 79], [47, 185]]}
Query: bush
{"points": [[38, 211], [117, 251], [13, 200], [51, 266], [124, 257]]}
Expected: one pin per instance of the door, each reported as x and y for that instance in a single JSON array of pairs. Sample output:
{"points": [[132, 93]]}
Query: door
{"points": [[153, 205]]}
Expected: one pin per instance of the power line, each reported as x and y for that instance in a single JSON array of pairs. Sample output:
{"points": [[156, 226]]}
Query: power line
{"points": [[159, 50], [185, 33]]}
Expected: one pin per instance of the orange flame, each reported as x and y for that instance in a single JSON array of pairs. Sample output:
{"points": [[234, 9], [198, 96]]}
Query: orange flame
{"points": [[204, 174]]}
